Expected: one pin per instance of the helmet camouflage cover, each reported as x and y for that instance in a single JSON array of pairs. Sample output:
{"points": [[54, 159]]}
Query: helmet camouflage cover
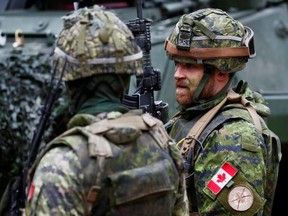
{"points": [[211, 36], [94, 41]]}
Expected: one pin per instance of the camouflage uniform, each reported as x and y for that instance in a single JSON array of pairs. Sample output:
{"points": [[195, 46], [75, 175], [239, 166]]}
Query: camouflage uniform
{"points": [[233, 167], [129, 177], [109, 161], [237, 141]]}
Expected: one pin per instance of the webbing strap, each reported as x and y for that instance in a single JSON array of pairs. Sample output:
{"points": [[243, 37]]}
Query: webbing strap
{"points": [[233, 97], [253, 113], [92, 194], [196, 130]]}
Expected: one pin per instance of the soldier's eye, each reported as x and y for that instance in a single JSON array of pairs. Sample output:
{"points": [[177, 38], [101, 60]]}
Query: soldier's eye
{"points": [[189, 65]]}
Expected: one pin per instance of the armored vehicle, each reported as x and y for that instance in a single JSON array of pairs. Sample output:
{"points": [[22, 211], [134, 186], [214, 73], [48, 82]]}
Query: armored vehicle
{"points": [[28, 29]]}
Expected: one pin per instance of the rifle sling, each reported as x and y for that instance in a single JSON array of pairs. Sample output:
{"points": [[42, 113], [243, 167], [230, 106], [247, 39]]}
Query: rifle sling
{"points": [[196, 130]]}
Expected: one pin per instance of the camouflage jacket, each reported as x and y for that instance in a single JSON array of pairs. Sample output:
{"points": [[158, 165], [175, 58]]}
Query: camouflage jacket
{"points": [[233, 168], [117, 165]]}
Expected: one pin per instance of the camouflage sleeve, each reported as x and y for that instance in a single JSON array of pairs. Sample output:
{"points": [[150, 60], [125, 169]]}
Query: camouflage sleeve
{"points": [[241, 145], [54, 189], [181, 204]]}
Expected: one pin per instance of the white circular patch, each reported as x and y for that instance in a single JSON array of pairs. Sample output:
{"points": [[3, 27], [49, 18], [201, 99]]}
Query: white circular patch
{"points": [[240, 198]]}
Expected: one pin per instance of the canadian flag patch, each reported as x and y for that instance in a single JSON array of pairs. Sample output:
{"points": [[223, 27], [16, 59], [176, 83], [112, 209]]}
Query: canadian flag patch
{"points": [[221, 178]]}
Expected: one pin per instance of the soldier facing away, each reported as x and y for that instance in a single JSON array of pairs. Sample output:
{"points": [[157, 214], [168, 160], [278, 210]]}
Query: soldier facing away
{"points": [[231, 156], [111, 161]]}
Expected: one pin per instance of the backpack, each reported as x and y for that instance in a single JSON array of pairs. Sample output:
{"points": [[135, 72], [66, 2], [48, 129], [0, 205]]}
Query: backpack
{"points": [[127, 165]]}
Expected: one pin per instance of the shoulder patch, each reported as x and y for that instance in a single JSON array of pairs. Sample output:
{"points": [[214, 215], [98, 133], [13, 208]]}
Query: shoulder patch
{"points": [[221, 178], [240, 198]]}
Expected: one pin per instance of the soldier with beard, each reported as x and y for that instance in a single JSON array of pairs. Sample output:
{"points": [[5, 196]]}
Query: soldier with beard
{"points": [[231, 157]]}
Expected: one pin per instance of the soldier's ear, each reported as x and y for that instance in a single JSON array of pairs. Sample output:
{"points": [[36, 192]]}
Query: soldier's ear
{"points": [[221, 77]]}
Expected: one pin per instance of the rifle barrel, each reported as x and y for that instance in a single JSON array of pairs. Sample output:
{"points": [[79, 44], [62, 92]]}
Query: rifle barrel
{"points": [[139, 9]]}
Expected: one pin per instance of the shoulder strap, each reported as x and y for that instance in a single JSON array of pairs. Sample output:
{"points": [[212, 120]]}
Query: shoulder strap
{"points": [[196, 130], [92, 194]]}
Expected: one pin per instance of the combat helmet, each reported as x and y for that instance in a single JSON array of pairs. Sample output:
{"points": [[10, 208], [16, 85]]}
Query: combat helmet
{"points": [[211, 36], [95, 41]]}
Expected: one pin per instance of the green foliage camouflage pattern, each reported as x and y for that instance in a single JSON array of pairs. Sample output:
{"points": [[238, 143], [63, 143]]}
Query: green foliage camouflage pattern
{"points": [[23, 89], [138, 171]]}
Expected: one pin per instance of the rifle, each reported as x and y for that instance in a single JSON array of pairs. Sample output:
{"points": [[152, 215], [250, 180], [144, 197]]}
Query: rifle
{"points": [[150, 81], [18, 193]]}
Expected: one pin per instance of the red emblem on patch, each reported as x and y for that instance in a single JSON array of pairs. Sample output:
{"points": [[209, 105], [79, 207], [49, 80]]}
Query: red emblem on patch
{"points": [[31, 191]]}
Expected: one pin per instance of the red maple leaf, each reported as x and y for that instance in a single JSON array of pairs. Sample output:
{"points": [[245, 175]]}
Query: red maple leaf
{"points": [[221, 177]]}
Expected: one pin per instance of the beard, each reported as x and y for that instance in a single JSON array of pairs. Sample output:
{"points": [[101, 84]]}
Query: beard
{"points": [[184, 93], [208, 91]]}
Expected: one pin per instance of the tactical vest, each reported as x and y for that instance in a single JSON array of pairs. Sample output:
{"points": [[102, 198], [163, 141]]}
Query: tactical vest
{"points": [[194, 141], [126, 163]]}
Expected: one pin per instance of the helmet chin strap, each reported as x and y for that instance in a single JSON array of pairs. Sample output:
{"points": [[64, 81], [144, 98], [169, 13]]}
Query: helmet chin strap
{"points": [[208, 69]]}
